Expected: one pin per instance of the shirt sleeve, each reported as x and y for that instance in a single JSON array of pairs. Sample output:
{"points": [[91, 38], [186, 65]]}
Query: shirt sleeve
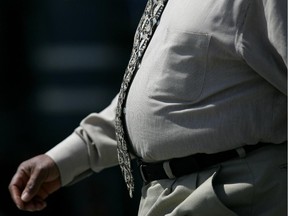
{"points": [[91, 147], [262, 40]]}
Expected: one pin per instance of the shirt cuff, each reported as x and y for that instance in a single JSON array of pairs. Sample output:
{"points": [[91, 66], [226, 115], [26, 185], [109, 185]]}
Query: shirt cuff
{"points": [[71, 157]]}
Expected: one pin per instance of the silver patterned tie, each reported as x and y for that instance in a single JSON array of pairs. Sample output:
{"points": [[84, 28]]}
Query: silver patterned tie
{"points": [[144, 32]]}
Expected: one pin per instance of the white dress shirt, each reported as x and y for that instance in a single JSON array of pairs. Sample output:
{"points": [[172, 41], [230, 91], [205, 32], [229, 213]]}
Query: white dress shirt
{"points": [[213, 78]]}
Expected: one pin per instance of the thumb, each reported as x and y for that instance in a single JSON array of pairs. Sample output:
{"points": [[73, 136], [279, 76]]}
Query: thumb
{"points": [[33, 185]]}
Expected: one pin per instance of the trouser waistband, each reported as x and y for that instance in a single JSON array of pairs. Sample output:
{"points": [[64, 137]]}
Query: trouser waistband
{"points": [[178, 167]]}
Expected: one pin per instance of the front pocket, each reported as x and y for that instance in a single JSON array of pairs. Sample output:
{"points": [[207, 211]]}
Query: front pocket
{"points": [[208, 201], [179, 67], [203, 201]]}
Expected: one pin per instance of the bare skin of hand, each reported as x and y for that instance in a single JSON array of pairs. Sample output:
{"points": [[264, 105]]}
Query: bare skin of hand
{"points": [[34, 180]]}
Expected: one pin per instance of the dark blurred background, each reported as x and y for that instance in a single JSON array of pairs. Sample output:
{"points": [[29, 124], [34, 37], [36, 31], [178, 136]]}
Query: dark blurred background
{"points": [[60, 60]]}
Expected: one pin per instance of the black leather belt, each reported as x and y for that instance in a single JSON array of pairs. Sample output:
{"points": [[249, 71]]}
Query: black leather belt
{"points": [[177, 167]]}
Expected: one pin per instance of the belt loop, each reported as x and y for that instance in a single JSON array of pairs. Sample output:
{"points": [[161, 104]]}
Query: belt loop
{"points": [[241, 152], [167, 169], [140, 166], [142, 173]]}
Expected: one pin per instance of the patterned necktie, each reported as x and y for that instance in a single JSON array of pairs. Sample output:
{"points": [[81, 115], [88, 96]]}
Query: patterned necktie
{"points": [[144, 32]]}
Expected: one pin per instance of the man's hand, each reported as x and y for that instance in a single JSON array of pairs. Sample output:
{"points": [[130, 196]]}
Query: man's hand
{"points": [[33, 181]]}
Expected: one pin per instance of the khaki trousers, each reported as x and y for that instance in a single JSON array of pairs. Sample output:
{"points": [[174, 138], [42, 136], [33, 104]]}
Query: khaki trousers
{"points": [[255, 185]]}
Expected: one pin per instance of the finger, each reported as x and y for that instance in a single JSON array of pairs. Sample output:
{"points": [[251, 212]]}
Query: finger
{"points": [[36, 204], [16, 196], [33, 185], [16, 187]]}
